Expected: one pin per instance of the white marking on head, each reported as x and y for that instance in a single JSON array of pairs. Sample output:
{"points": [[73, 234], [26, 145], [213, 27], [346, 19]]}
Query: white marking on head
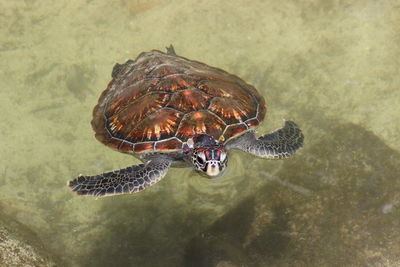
{"points": [[222, 157], [212, 169]]}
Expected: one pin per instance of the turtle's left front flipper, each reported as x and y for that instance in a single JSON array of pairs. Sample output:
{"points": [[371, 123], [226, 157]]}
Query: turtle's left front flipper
{"points": [[129, 180], [276, 145]]}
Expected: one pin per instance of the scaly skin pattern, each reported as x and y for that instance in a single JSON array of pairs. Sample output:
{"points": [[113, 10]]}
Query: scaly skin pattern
{"points": [[124, 181], [276, 145]]}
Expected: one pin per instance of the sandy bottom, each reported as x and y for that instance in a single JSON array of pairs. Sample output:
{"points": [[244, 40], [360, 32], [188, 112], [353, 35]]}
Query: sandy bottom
{"points": [[331, 66]]}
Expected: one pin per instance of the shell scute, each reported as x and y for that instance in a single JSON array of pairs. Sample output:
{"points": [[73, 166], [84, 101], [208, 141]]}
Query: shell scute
{"points": [[232, 110], [169, 145], [252, 123], [174, 82], [225, 89], [125, 147], [156, 126], [234, 130], [143, 147], [122, 98], [136, 111], [189, 100], [200, 122], [163, 70]]}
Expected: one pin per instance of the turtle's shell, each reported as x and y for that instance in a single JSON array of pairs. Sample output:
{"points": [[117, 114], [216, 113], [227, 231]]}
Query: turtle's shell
{"points": [[160, 101]]}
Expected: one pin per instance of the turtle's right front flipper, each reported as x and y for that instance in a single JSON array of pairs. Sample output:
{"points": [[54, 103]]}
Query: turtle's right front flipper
{"points": [[129, 180]]}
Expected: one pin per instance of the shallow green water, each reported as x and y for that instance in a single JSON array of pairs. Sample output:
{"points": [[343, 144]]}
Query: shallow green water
{"points": [[331, 66]]}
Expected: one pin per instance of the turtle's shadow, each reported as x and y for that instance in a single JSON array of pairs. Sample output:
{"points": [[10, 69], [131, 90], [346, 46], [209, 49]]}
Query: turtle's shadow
{"points": [[226, 241], [335, 204]]}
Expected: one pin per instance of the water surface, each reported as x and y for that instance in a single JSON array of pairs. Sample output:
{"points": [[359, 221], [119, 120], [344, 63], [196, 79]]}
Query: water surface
{"points": [[331, 66]]}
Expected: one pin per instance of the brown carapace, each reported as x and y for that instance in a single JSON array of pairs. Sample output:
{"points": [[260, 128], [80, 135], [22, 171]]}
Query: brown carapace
{"points": [[160, 100], [170, 111]]}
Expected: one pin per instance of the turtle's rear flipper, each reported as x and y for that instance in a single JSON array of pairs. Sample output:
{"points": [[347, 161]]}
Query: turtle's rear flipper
{"points": [[129, 180], [276, 145], [171, 50]]}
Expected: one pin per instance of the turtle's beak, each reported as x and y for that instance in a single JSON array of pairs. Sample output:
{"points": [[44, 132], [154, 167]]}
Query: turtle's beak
{"points": [[213, 169]]}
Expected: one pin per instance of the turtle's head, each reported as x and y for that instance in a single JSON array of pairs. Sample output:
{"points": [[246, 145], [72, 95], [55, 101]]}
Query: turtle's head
{"points": [[210, 160]]}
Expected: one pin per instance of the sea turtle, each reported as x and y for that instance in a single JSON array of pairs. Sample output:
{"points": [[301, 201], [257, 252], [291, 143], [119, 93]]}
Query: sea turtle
{"points": [[170, 111]]}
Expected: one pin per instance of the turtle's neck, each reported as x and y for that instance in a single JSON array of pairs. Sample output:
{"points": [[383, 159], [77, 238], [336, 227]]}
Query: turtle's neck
{"points": [[204, 140]]}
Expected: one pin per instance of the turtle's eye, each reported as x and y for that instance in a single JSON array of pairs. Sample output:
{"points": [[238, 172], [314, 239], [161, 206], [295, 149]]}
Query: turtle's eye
{"points": [[201, 158]]}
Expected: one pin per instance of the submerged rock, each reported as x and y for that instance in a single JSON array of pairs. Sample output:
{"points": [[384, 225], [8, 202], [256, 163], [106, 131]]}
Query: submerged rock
{"points": [[19, 246]]}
